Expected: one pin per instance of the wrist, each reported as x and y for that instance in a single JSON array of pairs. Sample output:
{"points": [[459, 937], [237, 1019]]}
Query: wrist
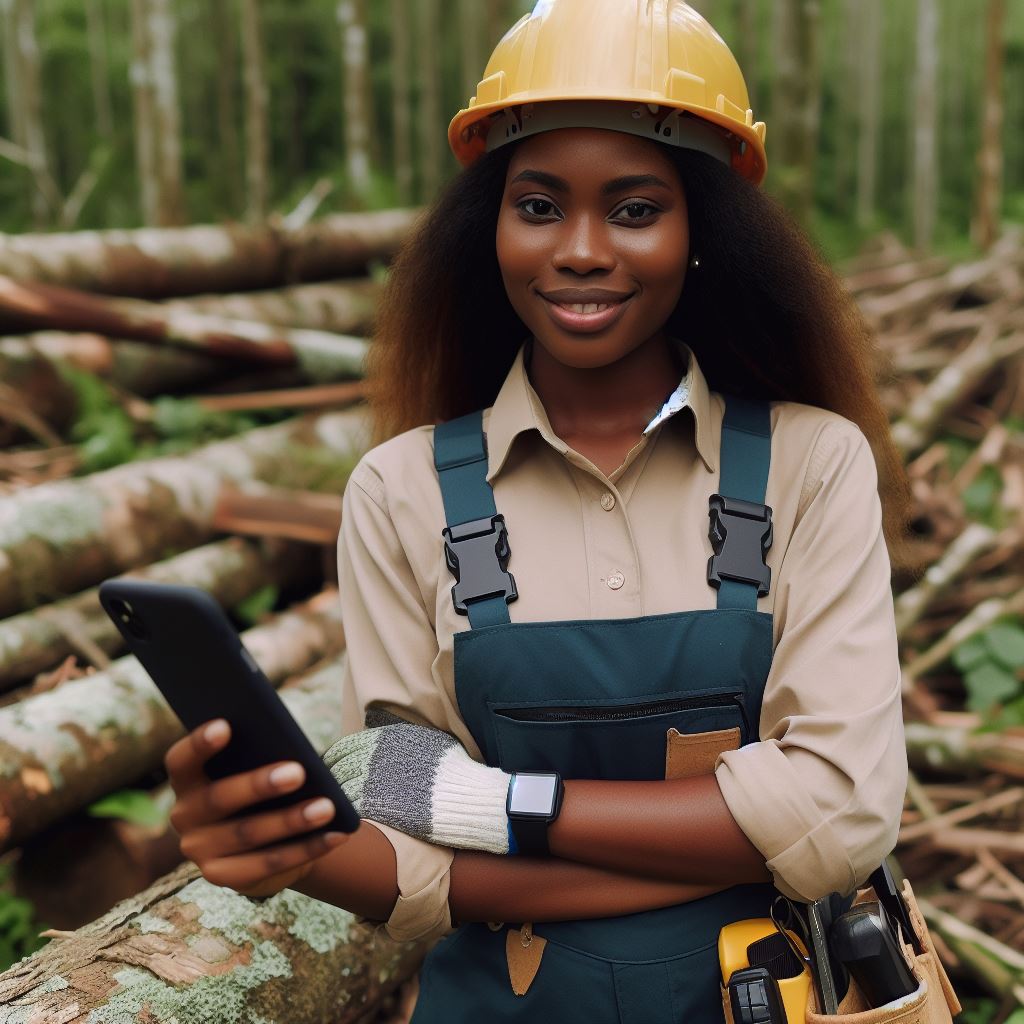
{"points": [[468, 805]]}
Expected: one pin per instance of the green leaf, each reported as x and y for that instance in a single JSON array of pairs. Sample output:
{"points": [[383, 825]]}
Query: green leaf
{"points": [[1005, 641], [981, 496], [257, 604], [134, 805], [970, 653], [989, 684]]}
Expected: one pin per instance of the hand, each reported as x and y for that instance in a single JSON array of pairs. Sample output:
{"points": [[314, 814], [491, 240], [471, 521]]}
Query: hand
{"points": [[231, 853], [421, 781]]}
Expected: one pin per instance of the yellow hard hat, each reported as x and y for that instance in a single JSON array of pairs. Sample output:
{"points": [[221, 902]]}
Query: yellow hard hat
{"points": [[667, 73]]}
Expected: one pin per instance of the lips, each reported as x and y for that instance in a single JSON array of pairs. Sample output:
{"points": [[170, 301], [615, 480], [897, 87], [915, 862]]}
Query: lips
{"points": [[586, 317]]}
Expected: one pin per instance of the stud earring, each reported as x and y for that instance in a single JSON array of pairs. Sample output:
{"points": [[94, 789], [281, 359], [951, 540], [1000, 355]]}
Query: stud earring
{"points": [[694, 262]]}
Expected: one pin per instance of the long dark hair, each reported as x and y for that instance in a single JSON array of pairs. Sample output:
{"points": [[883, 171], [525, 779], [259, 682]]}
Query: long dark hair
{"points": [[765, 314]]}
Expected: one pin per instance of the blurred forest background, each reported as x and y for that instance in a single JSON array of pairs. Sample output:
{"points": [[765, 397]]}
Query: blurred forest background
{"points": [[199, 200], [127, 112]]}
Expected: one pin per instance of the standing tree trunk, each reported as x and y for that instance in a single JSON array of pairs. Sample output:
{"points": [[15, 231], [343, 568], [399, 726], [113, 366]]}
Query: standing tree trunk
{"points": [[356, 94], [870, 114], [25, 104], [990, 155], [471, 55], [257, 103], [797, 102], [143, 108], [167, 113], [845, 93], [747, 49], [430, 120], [401, 99], [230, 182], [98, 68], [925, 118]]}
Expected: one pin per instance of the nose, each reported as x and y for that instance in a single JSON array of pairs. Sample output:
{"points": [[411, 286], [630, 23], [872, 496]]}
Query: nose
{"points": [[583, 245]]}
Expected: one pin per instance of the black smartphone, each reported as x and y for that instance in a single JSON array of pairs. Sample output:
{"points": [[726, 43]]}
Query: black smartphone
{"points": [[187, 644]]}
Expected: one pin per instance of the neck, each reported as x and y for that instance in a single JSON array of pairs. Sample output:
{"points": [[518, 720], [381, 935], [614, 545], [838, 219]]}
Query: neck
{"points": [[603, 401]]}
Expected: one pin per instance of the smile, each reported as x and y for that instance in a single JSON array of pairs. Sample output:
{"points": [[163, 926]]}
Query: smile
{"points": [[586, 317]]}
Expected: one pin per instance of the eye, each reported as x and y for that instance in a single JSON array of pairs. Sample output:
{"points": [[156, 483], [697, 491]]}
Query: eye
{"points": [[544, 208], [635, 211]]}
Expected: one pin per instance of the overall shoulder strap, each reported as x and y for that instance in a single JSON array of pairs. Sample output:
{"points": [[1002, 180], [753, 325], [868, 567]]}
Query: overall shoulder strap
{"points": [[741, 524], [475, 539]]}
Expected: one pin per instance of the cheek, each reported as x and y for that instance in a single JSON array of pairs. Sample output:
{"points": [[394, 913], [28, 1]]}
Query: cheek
{"points": [[519, 254]]}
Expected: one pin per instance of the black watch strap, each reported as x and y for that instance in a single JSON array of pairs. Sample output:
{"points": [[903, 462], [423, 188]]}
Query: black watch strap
{"points": [[531, 836]]}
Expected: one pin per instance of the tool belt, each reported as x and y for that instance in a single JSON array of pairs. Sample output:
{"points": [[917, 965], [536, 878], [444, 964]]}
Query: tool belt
{"points": [[934, 1002]]}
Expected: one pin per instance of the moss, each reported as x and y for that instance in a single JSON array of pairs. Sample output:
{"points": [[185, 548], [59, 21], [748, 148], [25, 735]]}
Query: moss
{"points": [[147, 922], [319, 925], [220, 999]]}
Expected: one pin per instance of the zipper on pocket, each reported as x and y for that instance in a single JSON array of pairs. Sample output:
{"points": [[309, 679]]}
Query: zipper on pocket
{"points": [[623, 713]]}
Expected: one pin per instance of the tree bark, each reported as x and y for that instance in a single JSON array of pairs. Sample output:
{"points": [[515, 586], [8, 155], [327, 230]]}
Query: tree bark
{"points": [[747, 49], [205, 258], [925, 119], [64, 749], [471, 41], [62, 537], [990, 156], [230, 570], [99, 75], [139, 368], [355, 46], [161, 29], [323, 357], [185, 950], [257, 105], [870, 113], [347, 307], [429, 120], [143, 104], [38, 386], [796, 105], [401, 100], [229, 174]]}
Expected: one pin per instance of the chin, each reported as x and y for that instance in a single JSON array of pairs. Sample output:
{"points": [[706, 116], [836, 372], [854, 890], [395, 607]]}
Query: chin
{"points": [[584, 351]]}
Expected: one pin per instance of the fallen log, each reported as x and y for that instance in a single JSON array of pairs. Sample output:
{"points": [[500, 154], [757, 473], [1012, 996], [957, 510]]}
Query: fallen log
{"points": [[101, 861], [140, 368], [38, 387], [62, 750], [346, 307], [960, 751], [230, 570], [62, 537], [185, 261], [321, 356], [260, 511], [320, 396], [185, 951]]}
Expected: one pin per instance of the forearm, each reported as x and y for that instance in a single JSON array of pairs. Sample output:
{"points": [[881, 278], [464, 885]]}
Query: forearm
{"points": [[486, 887], [679, 830]]}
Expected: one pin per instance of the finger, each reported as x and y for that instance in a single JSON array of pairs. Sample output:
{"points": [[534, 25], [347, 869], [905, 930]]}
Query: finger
{"points": [[247, 869], [250, 833], [217, 800], [185, 759]]}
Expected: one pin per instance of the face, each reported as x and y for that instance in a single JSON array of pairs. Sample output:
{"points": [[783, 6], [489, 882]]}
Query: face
{"points": [[593, 242]]}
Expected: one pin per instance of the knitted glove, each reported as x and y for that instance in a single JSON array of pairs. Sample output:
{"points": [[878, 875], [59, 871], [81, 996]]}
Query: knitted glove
{"points": [[421, 781]]}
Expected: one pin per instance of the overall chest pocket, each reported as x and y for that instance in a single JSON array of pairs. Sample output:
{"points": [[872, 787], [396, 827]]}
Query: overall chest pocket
{"points": [[611, 739]]}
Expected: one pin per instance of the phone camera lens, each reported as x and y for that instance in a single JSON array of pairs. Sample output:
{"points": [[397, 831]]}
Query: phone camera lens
{"points": [[132, 622]]}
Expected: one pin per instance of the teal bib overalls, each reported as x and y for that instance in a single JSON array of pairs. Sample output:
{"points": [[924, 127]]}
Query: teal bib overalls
{"points": [[594, 699]]}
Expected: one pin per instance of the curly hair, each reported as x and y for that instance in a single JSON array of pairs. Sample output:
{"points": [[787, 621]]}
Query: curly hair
{"points": [[765, 314]]}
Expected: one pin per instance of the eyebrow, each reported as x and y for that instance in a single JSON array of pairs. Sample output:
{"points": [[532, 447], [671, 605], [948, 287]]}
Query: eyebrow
{"points": [[623, 184]]}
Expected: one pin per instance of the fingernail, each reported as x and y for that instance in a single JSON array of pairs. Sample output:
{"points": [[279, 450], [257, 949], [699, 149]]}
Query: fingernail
{"points": [[286, 775], [319, 810], [215, 731]]}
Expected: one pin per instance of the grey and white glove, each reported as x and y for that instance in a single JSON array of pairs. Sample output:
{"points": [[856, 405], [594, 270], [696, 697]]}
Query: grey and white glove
{"points": [[421, 781]]}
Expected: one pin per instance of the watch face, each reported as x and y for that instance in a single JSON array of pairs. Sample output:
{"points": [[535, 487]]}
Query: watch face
{"points": [[533, 795]]}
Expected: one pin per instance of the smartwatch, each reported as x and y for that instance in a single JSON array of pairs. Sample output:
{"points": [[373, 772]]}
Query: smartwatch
{"points": [[533, 802]]}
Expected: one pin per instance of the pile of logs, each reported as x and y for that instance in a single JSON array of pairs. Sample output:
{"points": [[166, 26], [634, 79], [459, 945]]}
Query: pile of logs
{"points": [[259, 512]]}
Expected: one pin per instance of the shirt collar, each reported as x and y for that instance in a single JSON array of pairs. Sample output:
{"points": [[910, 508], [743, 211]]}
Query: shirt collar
{"points": [[518, 409]]}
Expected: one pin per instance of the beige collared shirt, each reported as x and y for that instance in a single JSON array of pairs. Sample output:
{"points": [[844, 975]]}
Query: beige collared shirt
{"points": [[820, 794]]}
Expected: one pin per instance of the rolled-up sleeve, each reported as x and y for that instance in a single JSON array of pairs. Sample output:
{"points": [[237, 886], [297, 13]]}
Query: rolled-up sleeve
{"points": [[820, 795], [390, 646]]}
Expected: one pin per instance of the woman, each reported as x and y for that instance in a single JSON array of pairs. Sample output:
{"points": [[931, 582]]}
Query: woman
{"points": [[664, 706]]}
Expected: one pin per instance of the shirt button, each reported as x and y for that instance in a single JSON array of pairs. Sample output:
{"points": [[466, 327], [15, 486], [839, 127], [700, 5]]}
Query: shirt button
{"points": [[615, 580], [607, 501]]}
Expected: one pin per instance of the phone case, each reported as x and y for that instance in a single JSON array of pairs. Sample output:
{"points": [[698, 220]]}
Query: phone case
{"points": [[187, 644]]}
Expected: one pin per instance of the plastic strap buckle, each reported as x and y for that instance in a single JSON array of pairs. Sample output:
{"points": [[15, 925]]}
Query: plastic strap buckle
{"points": [[477, 554], [741, 534]]}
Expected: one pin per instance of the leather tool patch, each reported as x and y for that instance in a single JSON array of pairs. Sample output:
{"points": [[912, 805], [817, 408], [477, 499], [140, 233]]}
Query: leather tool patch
{"points": [[689, 754], [524, 951]]}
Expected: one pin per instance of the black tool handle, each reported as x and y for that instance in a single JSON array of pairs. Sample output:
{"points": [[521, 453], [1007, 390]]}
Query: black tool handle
{"points": [[891, 898], [863, 939]]}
